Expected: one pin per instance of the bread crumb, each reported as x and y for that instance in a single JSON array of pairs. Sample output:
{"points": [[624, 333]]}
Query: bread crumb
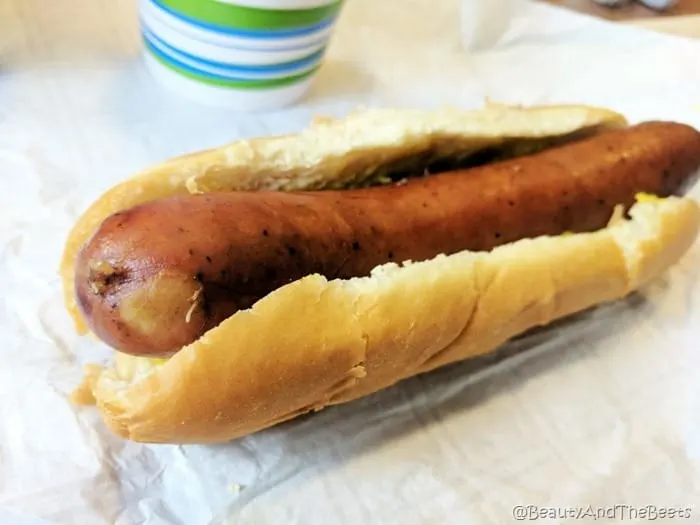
{"points": [[192, 186], [102, 267], [194, 299], [618, 215], [236, 488], [83, 395]]}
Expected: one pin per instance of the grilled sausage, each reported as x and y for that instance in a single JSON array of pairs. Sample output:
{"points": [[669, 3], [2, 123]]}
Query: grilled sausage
{"points": [[157, 276]]}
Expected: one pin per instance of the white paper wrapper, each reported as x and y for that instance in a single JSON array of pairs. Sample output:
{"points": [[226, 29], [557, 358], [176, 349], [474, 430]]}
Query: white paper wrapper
{"points": [[600, 411]]}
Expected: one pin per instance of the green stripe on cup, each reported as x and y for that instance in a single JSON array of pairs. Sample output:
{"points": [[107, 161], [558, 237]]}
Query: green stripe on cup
{"points": [[238, 84], [239, 17]]}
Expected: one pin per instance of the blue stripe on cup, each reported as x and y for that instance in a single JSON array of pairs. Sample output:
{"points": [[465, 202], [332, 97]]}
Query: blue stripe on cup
{"points": [[156, 15], [234, 55], [228, 71], [214, 79]]}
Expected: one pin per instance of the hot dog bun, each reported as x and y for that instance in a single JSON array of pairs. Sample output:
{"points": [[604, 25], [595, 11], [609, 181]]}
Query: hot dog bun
{"points": [[318, 342], [331, 153], [315, 342]]}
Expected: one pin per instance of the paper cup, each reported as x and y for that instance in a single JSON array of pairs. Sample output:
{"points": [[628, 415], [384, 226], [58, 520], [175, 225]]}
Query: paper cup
{"points": [[242, 54]]}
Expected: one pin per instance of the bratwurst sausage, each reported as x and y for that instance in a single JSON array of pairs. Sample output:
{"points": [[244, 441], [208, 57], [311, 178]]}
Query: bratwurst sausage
{"points": [[155, 277]]}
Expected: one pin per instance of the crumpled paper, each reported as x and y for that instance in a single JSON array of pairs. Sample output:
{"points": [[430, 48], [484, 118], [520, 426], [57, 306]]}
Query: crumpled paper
{"points": [[599, 410]]}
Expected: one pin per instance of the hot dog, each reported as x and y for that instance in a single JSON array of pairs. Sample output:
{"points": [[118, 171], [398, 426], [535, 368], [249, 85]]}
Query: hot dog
{"points": [[209, 256], [275, 303]]}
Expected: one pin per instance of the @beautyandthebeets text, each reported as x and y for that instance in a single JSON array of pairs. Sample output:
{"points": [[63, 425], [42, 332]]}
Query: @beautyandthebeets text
{"points": [[610, 512]]}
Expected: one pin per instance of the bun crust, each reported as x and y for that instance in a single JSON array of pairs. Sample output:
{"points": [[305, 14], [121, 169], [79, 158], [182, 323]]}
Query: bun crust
{"points": [[315, 342], [329, 153]]}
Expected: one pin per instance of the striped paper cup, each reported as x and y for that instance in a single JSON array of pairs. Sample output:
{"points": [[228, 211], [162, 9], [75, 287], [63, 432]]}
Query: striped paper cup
{"points": [[244, 54]]}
